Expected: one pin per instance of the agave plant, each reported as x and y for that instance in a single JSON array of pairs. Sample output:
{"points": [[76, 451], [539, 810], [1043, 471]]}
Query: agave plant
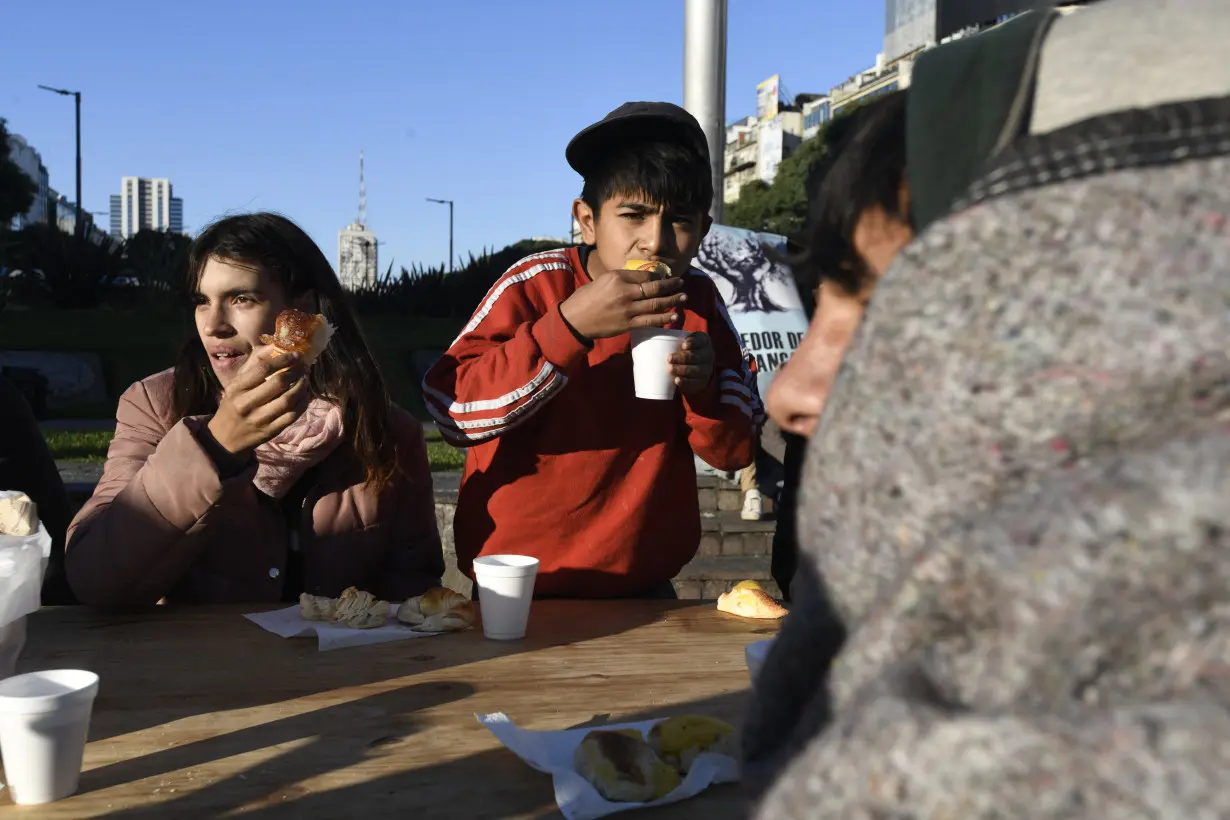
{"points": [[66, 271], [156, 260]]}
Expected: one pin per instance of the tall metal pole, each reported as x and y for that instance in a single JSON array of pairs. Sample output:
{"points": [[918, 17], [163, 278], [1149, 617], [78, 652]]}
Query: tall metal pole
{"points": [[449, 203], [80, 223], [79, 228], [704, 82]]}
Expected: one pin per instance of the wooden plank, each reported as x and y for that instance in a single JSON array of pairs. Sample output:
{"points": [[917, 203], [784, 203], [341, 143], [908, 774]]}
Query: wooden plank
{"points": [[202, 714]]}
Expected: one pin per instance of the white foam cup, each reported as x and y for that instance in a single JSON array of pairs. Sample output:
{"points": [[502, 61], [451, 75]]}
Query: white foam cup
{"points": [[651, 347], [505, 591], [44, 721], [755, 653]]}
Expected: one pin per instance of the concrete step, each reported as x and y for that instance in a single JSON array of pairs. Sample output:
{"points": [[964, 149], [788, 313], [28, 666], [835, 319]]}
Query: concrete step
{"points": [[717, 494]]}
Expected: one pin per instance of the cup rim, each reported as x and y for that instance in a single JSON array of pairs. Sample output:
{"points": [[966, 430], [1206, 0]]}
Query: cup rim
{"points": [[506, 566], [82, 687], [649, 334]]}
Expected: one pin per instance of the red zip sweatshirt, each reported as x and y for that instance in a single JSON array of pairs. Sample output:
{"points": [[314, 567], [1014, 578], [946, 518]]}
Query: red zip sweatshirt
{"points": [[565, 463]]}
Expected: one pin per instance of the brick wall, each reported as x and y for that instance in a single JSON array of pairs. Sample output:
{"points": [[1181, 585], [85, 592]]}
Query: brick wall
{"points": [[731, 549]]}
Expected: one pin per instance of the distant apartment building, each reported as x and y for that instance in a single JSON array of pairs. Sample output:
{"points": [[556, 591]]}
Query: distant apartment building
{"points": [[357, 264], [881, 78], [145, 203], [741, 155], [755, 147], [913, 25], [817, 111], [30, 161], [778, 137], [66, 218]]}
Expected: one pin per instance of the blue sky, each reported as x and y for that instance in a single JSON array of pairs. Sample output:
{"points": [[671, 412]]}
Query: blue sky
{"points": [[265, 104]]}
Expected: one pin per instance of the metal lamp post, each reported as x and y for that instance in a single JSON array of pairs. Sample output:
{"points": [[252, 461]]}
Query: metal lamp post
{"points": [[449, 203], [76, 95]]}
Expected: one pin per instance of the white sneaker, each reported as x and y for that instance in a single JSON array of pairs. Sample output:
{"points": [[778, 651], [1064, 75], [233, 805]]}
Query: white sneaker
{"points": [[753, 506]]}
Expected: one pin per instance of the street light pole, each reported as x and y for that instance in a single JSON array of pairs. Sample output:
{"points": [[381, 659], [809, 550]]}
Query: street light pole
{"points": [[79, 225], [704, 82], [449, 203]]}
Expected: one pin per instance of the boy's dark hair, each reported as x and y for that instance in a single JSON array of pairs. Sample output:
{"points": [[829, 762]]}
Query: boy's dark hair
{"points": [[864, 165], [666, 173]]}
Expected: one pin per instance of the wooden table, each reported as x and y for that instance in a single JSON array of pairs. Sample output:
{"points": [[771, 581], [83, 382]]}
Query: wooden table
{"points": [[203, 714]]}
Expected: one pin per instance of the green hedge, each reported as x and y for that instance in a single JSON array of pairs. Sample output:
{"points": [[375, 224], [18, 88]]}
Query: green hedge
{"points": [[132, 344]]}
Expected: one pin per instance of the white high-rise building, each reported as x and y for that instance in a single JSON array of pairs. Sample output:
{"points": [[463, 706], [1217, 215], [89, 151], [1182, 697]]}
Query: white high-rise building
{"points": [[356, 256], [356, 246], [145, 203]]}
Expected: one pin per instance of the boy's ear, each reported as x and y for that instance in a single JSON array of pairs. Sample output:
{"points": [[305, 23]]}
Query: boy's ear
{"points": [[585, 217], [705, 225]]}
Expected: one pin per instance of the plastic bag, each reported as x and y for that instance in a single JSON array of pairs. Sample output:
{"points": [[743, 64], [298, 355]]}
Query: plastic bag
{"points": [[23, 563]]}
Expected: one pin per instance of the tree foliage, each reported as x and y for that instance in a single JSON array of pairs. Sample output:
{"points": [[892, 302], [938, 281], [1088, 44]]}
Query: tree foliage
{"points": [[781, 208], [436, 292], [17, 191]]}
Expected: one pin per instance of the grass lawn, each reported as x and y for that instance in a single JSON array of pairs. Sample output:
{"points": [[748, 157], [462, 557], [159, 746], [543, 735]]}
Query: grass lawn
{"points": [[133, 344], [75, 445]]}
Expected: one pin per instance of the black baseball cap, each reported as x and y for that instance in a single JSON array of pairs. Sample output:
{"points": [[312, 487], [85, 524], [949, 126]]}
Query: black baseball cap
{"points": [[635, 120]]}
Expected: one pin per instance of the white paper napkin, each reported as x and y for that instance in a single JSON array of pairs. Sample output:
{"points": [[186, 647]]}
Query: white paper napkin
{"points": [[289, 624], [552, 752]]}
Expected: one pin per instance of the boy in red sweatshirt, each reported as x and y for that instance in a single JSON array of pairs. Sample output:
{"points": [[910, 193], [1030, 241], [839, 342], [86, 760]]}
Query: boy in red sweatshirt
{"points": [[565, 463]]}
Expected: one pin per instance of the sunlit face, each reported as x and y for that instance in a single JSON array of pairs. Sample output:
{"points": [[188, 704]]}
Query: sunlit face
{"points": [[799, 391], [628, 227], [234, 306]]}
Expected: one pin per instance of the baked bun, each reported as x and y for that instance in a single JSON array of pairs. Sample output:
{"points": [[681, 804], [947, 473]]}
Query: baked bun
{"points": [[360, 610], [623, 767], [680, 740], [303, 333], [355, 609], [748, 600], [657, 270], [18, 515], [316, 607], [439, 609]]}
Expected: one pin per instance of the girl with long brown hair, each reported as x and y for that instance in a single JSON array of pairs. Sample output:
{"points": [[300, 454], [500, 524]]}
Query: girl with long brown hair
{"points": [[244, 475]]}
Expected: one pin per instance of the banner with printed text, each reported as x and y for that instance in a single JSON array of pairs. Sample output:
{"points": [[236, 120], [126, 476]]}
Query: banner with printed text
{"points": [[759, 292]]}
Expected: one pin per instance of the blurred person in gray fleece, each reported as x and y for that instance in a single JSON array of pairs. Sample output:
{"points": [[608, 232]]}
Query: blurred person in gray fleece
{"points": [[1017, 503]]}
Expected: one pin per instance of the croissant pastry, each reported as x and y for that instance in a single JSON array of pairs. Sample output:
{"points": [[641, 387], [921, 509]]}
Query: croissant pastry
{"points": [[439, 609]]}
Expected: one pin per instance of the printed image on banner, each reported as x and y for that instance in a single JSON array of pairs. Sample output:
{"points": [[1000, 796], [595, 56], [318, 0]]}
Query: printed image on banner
{"points": [[760, 294]]}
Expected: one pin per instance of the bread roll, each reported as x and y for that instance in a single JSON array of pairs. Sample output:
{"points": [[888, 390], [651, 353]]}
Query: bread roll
{"points": [[623, 768], [360, 610], [748, 600], [316, 607], [299, 332], [657, 270], [680, 740], [18, 515], [376, 615], [439, 609]]}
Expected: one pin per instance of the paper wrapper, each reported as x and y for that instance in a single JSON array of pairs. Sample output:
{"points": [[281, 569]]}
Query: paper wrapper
{"points": [[551, 752], [288, 623], [23, 563]]}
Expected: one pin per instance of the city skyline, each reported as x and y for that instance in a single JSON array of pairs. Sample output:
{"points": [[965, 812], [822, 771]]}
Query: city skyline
{"points": [[145, 203], [481, 119]]}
